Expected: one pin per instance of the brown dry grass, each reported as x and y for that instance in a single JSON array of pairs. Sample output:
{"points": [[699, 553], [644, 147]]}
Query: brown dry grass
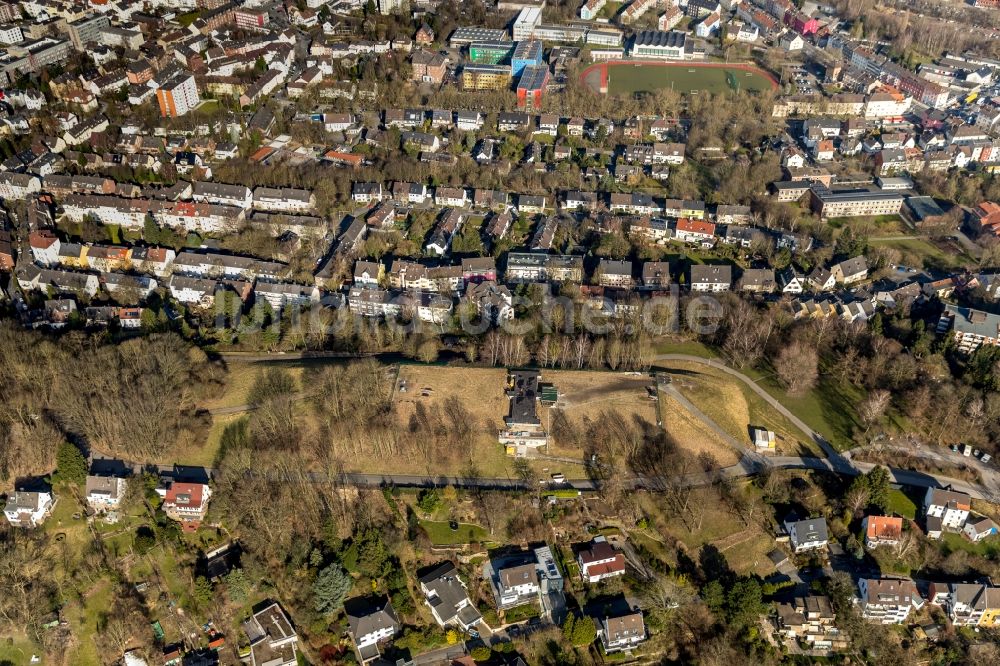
{"points": [[692, 435], [586, 394], [481, 393]]}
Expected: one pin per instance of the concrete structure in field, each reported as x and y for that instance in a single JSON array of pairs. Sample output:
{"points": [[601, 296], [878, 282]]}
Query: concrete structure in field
{"points": [[523, 429]]}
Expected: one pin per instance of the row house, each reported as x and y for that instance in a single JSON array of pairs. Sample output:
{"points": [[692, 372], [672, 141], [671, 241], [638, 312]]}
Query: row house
{"points": [[201, 292], [32, 278], [202, 218], [694, 231], [283, 200], [538, 267], [212, 264], [281, 295], [616, 274], [239, 196], [405, 192]]}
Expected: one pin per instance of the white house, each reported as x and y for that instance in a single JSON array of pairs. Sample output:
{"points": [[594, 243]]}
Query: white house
{"points": [[517, 585], [888, 600], [18, 185], [980, 528], [105, 492], [371, 626], [28, 509], [945, 509], [809, 534], [600, 561], [622, 633], [272, 639], [445, 594]]}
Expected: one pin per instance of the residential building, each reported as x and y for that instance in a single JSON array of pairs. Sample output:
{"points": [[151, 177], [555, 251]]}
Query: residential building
{"points": [[539, 267], [187, 503], [272, 639], [888, 600], [977, 529], [448, 599], [656, 274], [808, 534], [428, 67], [177, 95], [757, 280], [945, 509], [967, 604], [104, 492], [622, 633], [28, 508], [694, 231], [283, 200], [971, 328], [809, 622], [882, 530], [600, 561], [616, 274], [370, 624], [850, 271], [517, 585], [711, 278]]}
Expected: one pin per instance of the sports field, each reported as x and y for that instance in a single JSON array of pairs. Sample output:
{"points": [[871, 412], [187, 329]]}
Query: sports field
{"points": [[627, 78]]}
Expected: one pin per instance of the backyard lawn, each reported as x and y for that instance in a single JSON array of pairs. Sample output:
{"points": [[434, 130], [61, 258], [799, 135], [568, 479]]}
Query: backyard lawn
{"points": [[901, 505], [441, 534]]}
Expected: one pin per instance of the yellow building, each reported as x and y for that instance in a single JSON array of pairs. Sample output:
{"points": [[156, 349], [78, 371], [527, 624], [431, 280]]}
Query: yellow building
{"points": [[486, 77], [991, 614]]}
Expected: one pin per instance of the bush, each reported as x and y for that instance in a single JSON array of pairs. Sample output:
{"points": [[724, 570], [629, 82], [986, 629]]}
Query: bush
{"points": [[481, 653], [429, 500], [144, 540]]}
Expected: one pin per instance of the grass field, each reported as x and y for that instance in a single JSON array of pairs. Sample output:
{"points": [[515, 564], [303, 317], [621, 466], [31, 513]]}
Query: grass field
{"points": [[921, 253], [441, 534], [744, 547], [585, 395], [627, 79], [734, 407], [692, 435], [901, 505], [829, 408]]}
